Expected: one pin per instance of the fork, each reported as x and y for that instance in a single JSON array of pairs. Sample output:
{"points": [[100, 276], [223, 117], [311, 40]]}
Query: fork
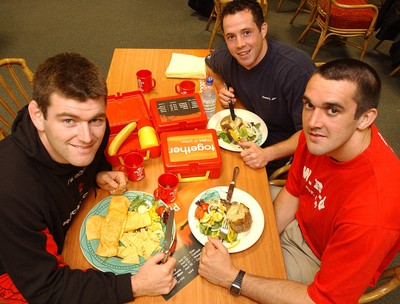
{"points": [[223, 231]]}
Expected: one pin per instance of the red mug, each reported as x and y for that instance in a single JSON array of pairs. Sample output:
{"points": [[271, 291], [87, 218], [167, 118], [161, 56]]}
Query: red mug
{"points": [[167, 188], [185, 87], [145, 81], [134, 166]]}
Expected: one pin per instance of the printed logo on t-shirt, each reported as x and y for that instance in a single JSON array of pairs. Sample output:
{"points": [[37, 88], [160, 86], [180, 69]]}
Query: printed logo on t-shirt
{"points": [[315, 188], [269, 98]]}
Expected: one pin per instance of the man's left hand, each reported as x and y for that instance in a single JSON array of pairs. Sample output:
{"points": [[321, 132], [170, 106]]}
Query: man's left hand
{"points": [[113, 181]]}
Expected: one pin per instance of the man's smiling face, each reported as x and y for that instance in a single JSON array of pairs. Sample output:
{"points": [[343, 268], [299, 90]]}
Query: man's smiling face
{"points": [[244, 39]]}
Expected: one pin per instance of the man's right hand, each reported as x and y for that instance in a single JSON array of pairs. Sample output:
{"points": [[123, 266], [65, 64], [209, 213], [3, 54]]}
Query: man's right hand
{"points": [[154, 278], [226, 95]]}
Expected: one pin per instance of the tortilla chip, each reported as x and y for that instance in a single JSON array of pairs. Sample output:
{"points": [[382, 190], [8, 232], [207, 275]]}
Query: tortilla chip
{"points": [[112, 226], [136, 220], [93, 227]]}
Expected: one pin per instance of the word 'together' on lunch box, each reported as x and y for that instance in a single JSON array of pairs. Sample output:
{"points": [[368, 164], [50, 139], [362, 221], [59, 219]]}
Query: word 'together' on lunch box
{"points": [[192, 155]]}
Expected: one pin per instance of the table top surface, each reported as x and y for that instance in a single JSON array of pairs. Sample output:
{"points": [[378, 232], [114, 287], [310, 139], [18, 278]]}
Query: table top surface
{"points": [[264, 258]]}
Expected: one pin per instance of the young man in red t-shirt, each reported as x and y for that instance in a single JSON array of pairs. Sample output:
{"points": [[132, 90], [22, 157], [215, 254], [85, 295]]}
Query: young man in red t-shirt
{"points": [[337, 214]]}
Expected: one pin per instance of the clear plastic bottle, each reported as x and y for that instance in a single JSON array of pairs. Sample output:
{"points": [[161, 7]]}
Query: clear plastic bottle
{"points": [[209, 97]]}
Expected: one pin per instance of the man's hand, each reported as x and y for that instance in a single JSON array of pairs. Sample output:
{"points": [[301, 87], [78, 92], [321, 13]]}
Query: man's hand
{"points": [[153, 278], [226, 95], [254, 156], [216, 265], [112, 181]]}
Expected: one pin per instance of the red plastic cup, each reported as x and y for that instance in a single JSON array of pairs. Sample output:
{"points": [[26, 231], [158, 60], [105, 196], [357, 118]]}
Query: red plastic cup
{"points": [[134, 166], [145, 81], [167, 188], [185, 87]]}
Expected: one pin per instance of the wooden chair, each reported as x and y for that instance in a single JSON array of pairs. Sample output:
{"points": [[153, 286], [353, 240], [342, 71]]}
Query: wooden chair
{"points": [[216, 14], [278, 177], [392, 276], [15, 85], [344, 21]]}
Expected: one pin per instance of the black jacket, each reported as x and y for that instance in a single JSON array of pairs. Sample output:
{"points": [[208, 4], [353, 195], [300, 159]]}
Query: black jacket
{"points": [[38, 200]]}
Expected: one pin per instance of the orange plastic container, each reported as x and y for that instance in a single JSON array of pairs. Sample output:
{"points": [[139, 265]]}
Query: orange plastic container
{"points": [[193, 155], [179, 112], [122, 110]]}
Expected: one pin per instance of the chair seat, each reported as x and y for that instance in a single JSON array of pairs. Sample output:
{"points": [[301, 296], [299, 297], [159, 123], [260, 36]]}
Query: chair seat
{"points": [[354, 18]]}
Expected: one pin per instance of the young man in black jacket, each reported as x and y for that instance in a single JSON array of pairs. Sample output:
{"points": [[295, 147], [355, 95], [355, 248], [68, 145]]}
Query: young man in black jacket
{"points": [[53, 157]]}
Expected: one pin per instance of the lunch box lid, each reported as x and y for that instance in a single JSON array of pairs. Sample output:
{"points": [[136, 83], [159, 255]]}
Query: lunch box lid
{"points": [[178, 112], [191, 154], [125, 108]]}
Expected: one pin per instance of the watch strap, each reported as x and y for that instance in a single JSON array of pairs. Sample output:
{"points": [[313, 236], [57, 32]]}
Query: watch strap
{"points": [[236, 286]]}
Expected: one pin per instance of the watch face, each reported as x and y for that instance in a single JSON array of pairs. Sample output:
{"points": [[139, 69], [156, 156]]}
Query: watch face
{"points": [[234, 289]]}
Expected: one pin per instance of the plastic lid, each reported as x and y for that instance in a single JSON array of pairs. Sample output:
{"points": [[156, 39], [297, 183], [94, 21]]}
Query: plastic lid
{"points": [[209, 81]]}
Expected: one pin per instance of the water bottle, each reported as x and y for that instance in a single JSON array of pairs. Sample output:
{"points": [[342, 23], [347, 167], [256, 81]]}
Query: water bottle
{"points": [[209, 97]]}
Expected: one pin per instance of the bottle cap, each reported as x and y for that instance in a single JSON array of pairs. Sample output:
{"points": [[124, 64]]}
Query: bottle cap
{"points": [[209, 81]]}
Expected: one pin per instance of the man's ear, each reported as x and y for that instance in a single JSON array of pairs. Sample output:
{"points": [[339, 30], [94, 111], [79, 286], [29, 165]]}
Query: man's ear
{"points": [[264, 29], [36, 115], [367, 118]]}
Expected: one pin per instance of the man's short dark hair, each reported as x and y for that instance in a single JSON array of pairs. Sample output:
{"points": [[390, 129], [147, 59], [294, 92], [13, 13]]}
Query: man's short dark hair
{"points": [[236, 6], [366, 79], [70, 75]]}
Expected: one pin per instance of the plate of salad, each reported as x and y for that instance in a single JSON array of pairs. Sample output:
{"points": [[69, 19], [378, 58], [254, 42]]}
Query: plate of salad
{"points": [[251, 129], [208, 210], [141, 202]]}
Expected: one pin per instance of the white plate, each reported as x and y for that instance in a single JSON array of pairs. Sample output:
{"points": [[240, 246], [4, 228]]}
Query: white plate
{"points": [[246, 239], [246, 116], [114, 264]]}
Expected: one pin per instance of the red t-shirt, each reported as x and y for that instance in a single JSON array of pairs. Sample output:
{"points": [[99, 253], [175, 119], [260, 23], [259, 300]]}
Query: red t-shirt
{"points": [[348, 214]]}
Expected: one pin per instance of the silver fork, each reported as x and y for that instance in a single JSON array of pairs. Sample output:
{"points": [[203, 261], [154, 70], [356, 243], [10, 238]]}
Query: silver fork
{"points": [[223, 231]]}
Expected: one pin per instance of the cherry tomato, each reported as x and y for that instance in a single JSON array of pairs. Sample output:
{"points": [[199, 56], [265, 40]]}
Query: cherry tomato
{"points": [[199, 213], [204, 206], [160, 210]]}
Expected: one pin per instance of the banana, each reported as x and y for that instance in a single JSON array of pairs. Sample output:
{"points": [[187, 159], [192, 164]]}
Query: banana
{"points": [[120, 138]]}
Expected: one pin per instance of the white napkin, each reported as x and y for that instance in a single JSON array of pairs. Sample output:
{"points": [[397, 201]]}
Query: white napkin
{"points": [[186, 66]]}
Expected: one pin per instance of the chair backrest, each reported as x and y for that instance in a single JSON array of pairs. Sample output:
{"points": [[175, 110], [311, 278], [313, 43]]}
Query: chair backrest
{"points": [[15, 88], [348, 14]]}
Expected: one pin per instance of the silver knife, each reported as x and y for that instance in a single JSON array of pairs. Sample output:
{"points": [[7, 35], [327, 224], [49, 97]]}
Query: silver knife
{"points": [[169, 238], [232, 185]]}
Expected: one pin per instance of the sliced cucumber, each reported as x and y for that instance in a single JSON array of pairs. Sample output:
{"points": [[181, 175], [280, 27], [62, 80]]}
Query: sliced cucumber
{"points": [[218, 217], [206, 217]]}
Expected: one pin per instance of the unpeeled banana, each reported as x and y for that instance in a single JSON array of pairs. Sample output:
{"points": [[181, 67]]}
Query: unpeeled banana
{"points": [[120, 138]]}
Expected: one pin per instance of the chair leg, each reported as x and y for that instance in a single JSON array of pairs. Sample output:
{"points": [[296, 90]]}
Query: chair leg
{"points": [[394, 71], [301, 4], [279, 5], [378, 44], [320, 42], [215, 30], [304, 34], [365, 46], [212, 16]]}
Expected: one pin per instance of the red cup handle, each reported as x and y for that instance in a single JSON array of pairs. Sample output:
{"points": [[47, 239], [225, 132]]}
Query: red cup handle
{"points": [[153, 82], [156, 194], [177, 88]]}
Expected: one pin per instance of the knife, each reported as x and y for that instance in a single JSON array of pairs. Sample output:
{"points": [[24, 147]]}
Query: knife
{"points": [[232, 185], [169, 238]]}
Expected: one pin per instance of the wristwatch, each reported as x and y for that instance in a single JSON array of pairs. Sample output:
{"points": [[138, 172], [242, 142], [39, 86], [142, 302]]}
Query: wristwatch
{"points": [[236, 287]]}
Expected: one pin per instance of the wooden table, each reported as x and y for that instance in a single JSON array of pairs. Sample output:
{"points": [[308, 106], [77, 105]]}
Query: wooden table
{"points": [[264, 258]]}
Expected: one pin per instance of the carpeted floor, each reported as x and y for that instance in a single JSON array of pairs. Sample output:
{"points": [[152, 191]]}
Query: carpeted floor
{"points": [[35, 30]]}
